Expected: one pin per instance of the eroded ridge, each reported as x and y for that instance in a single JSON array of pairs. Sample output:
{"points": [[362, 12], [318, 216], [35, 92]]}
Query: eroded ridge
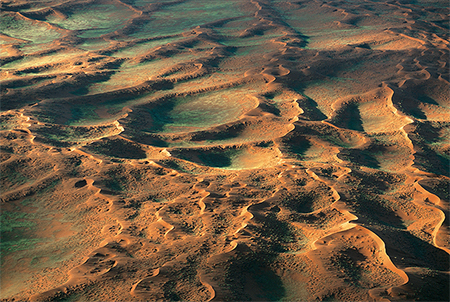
{"points": [[213, 151]]}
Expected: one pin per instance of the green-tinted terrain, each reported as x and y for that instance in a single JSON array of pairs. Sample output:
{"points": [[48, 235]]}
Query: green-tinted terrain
{"points": [[239, 150]]}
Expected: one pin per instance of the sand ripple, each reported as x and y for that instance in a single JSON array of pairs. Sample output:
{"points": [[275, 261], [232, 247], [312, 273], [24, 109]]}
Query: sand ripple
{"points": [[224, 150]]}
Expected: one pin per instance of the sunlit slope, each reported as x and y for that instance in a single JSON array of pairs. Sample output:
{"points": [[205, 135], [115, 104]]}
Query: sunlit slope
{"points": [[243, 150]]}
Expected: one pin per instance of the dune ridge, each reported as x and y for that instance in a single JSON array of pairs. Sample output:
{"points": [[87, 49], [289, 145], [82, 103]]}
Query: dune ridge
{"points": [[209, 151]]}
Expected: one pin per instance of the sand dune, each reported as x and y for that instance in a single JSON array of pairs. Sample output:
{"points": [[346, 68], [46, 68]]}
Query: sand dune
{"points": [[257, 150]]}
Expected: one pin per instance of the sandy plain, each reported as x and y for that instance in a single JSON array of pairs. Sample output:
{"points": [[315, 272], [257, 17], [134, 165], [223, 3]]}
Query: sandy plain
{"points": [[240, 150]]}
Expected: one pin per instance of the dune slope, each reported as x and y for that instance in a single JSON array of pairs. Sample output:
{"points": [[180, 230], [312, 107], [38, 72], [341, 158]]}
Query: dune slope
{"points": [[241, 150]]}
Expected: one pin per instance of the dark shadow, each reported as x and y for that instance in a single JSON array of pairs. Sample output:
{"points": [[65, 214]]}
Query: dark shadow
{"points": [[311, 112], [270, 108], [14, 7], [431, 161], [411, 251], [360, 157], [160, 115], [172, 164], [426, 99], [296, 144], [215, 160], [370, 207], [437, 280], [250, 274], [220, 134], [378, 182], [348, 117], [148, 139], [439, 187], [81, 91], [58, 90], [408, 105], [300, 202], [117, 148], [427, 132], [80, 183], [252, 271], [217, 157], [363, 45], [346, 262]]}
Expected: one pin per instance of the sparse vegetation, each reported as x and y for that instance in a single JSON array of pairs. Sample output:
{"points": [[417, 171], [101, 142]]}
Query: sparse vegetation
{"points": [[197, 150]]}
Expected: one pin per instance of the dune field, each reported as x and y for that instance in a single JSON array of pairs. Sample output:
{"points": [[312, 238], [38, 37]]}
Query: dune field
{"points": [[224, 150]]}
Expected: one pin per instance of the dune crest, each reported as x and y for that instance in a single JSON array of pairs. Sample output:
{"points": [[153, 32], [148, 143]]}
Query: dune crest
{"points": [[242, 150]]}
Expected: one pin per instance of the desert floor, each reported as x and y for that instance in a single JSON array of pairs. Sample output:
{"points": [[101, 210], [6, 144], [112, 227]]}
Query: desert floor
{"points": [[224, 150]]}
